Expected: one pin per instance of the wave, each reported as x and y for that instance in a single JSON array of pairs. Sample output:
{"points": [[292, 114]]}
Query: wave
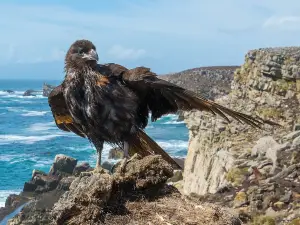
{"points": [[5, 193], [34, 113], [9, 139], [19, 94], [173, 145], [174, 122], [42, 126], [26, 112]]}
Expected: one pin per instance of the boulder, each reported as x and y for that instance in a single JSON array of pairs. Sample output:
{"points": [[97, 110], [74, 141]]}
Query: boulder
{"points": [[63, 165], [30, 92], [81, 168]]}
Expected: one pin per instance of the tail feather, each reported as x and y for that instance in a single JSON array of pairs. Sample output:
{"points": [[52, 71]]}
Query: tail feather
{"points": [[143, 145]]}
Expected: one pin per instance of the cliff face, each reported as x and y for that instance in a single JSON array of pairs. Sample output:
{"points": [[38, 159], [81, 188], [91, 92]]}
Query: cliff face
{"points": [[222, 154], [266, 85]]}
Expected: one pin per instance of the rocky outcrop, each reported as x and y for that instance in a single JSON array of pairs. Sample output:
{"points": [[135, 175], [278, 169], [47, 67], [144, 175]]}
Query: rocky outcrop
{"points": [[137, 194], [30, 92], [222, 154], [211, 82], [47, 88]]}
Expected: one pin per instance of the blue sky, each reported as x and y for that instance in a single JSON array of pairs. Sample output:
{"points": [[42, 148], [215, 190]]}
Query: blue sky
{"points": [[165, 35]]}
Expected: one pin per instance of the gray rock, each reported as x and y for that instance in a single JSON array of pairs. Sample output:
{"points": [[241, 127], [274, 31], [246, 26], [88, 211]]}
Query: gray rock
{"points": [[263, 145], [292, 135], [176, 177], [81, 168], [63, 165], [286, 198], [296, 142]]}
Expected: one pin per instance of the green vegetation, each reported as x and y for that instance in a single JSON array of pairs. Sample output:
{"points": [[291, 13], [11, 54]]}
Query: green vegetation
{"points": [[263, 220], [285, 85], [237, 175], [295, 222], [270, 112]]}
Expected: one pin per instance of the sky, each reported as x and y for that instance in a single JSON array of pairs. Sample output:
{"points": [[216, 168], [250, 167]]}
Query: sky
{"points": [[164, 35]]}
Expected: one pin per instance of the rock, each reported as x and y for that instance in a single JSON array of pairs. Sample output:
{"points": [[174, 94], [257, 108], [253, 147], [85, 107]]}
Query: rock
{"points": [[81, 168], [292, 136], [279, 205], [240, 199], [47, 88], [38, 172], [262, 146], [63, 165], [9, 91], [107, 165], [297, 127], [65, 183], [264, 220], [30, 93], [115, 153], [295, 222], [286, 198], [176, 177], [296, 142]]}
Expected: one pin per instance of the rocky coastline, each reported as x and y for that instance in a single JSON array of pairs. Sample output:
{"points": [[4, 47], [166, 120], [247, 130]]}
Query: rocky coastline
{"points": [[142, 194]]}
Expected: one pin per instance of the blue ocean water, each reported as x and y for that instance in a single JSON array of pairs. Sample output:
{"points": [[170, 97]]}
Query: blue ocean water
{"points": [[30, 140]]}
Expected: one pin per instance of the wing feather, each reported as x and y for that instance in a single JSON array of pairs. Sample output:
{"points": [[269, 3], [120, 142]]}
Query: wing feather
{"points": [[61, 114], [164, 97]]}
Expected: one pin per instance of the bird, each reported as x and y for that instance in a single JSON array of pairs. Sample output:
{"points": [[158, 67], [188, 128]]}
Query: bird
{"points": [[108, 103]]}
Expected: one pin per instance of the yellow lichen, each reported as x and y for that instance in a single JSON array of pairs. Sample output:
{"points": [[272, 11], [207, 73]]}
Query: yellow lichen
{"points": [[263, 220], [279, 205], [295, 222], [284, 85], [270, 112], [236, 175], [240, 196]]}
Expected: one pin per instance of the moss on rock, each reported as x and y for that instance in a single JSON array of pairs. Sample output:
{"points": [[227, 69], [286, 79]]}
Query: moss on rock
{"points": [[263, 220], [237, 175]]}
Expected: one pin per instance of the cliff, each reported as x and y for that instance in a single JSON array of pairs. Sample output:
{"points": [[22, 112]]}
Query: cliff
{"points": [[243, 163]]}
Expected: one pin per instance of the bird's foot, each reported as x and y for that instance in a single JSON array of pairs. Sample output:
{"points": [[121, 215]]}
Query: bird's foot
{"points": [[96, 170]]}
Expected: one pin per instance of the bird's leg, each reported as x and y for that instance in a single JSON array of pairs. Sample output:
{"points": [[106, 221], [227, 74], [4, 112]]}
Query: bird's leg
{"points": [[125, 159], [98, 168], [126, 149]]}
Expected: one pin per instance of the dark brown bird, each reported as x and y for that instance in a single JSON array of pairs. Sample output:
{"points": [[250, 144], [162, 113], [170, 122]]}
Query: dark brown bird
{"points": [[109, 103]]}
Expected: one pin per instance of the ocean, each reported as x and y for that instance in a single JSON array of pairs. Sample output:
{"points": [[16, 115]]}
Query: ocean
{"points": [[29, 138]]}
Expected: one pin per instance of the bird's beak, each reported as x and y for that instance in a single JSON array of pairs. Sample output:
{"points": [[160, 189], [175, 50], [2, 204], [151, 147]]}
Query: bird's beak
{"points": [[91, 55]]}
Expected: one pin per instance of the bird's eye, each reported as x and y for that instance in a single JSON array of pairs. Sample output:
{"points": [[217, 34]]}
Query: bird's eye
{"points": [[80, 51]]}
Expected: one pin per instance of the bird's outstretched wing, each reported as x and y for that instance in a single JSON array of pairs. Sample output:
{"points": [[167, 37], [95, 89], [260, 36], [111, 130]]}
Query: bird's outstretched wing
{"points": [[61, 113], [163, 97]]}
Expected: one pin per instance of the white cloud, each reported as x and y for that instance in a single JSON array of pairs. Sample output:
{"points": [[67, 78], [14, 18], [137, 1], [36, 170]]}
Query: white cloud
{"points": [[283, 22], [122, 53]]}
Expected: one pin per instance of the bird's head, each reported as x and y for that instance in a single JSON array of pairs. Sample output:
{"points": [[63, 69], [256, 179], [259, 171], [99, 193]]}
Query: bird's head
{"points": [[81, 53]]}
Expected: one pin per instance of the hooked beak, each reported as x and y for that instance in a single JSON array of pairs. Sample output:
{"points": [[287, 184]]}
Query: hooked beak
{"points": [[91, 55]]}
